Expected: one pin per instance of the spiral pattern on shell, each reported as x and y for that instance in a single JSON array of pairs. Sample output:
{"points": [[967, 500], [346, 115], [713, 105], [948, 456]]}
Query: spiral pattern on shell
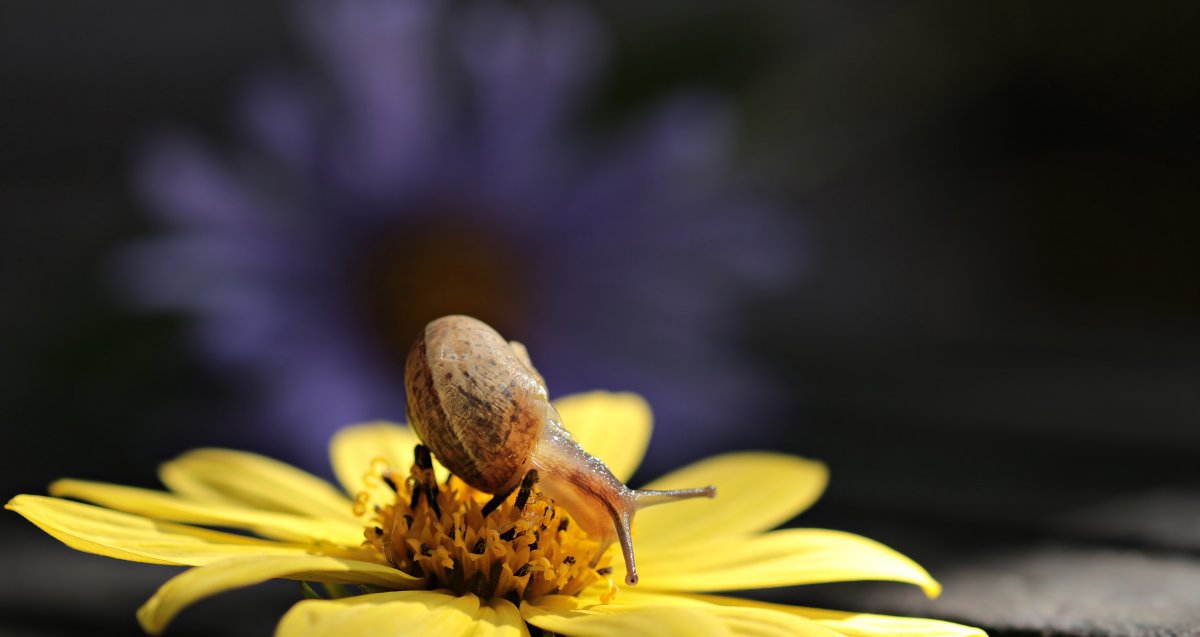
{"points": [[474, 402]]}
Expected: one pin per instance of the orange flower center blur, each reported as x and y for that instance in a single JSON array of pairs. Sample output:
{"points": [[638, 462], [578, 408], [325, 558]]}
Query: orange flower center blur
{"points": [[423, 271]]}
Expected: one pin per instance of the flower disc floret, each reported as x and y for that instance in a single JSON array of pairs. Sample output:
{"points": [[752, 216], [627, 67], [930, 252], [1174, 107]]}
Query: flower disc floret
{"points": [[524, 548]]}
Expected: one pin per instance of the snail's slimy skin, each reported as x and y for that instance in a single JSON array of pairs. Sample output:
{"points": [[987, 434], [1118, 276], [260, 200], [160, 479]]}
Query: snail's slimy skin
{"points": [[477, 402]]}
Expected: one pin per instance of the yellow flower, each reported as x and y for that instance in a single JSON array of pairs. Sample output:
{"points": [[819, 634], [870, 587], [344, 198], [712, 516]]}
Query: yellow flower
{"points": [[434, 564]]}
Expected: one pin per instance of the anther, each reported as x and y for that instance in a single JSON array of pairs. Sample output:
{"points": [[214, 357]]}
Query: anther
{"points": [[479, 546], [378, 531], [422, 458], [431, 494], [509, 534], [607, 570], [526, 488], [495, 502], [562, 526], [387, 479], [476, 584], [494, 577], [570, 559], [425, 550], [523, 570]]}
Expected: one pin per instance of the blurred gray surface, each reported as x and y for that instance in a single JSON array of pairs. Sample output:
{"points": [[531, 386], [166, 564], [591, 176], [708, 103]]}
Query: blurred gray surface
{"points": [[1166, 518], [1052, 589], [1068, 590], [1124, 567]]}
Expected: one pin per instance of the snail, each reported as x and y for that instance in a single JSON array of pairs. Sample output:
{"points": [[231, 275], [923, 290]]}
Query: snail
{"points": [[476, 401]]}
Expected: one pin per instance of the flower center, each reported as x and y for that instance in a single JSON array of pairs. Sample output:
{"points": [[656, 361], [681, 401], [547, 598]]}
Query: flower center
{"points": [[424, 270], [524, 548]]}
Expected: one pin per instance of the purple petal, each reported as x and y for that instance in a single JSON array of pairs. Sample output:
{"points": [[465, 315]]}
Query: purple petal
{"points": [[382, 58], [279, 114], [185, 185], [512, 56]]}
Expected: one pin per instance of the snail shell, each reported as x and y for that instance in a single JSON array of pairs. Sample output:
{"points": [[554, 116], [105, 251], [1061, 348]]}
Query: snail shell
{"points": [[477, 402], [474, 402]]}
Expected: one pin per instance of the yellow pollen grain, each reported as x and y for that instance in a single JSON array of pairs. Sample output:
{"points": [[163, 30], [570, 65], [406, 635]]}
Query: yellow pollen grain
{"points": [[512, 553]]}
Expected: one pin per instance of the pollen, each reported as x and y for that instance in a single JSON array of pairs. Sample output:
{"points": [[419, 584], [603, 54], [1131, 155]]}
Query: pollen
{"points": [[524, 548]]}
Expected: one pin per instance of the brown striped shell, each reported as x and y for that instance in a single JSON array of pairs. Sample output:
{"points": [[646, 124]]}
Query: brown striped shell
{"points": [[474, 402]]}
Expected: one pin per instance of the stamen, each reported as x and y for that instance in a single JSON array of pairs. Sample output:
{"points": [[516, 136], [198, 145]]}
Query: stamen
{"points": [[422, 458], [431, 494], [379, 467], [495, 502], [416, 498], [360, 503], [526, 487], [426, 480], [517, 547]]}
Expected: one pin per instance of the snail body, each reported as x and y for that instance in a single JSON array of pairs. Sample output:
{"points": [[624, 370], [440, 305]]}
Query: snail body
{"points": [[477, 402]]}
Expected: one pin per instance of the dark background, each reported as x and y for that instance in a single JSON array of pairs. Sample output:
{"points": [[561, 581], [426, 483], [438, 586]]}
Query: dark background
{"points": [[995, 344]]}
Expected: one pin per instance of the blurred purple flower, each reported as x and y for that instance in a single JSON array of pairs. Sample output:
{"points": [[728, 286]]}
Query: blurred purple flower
{"points": [[431, 172]]}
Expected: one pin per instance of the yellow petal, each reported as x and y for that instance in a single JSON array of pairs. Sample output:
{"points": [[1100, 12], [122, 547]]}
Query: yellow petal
{"points": [[864, 625], [614, 427], [356, 452], [131, 537], [779, 558], [225, 476], [500, 619], [403, 613], [857, 624], [203, 581], [167, 506], [750, 617], [760, 622], [756, 491], [566, 616]]}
